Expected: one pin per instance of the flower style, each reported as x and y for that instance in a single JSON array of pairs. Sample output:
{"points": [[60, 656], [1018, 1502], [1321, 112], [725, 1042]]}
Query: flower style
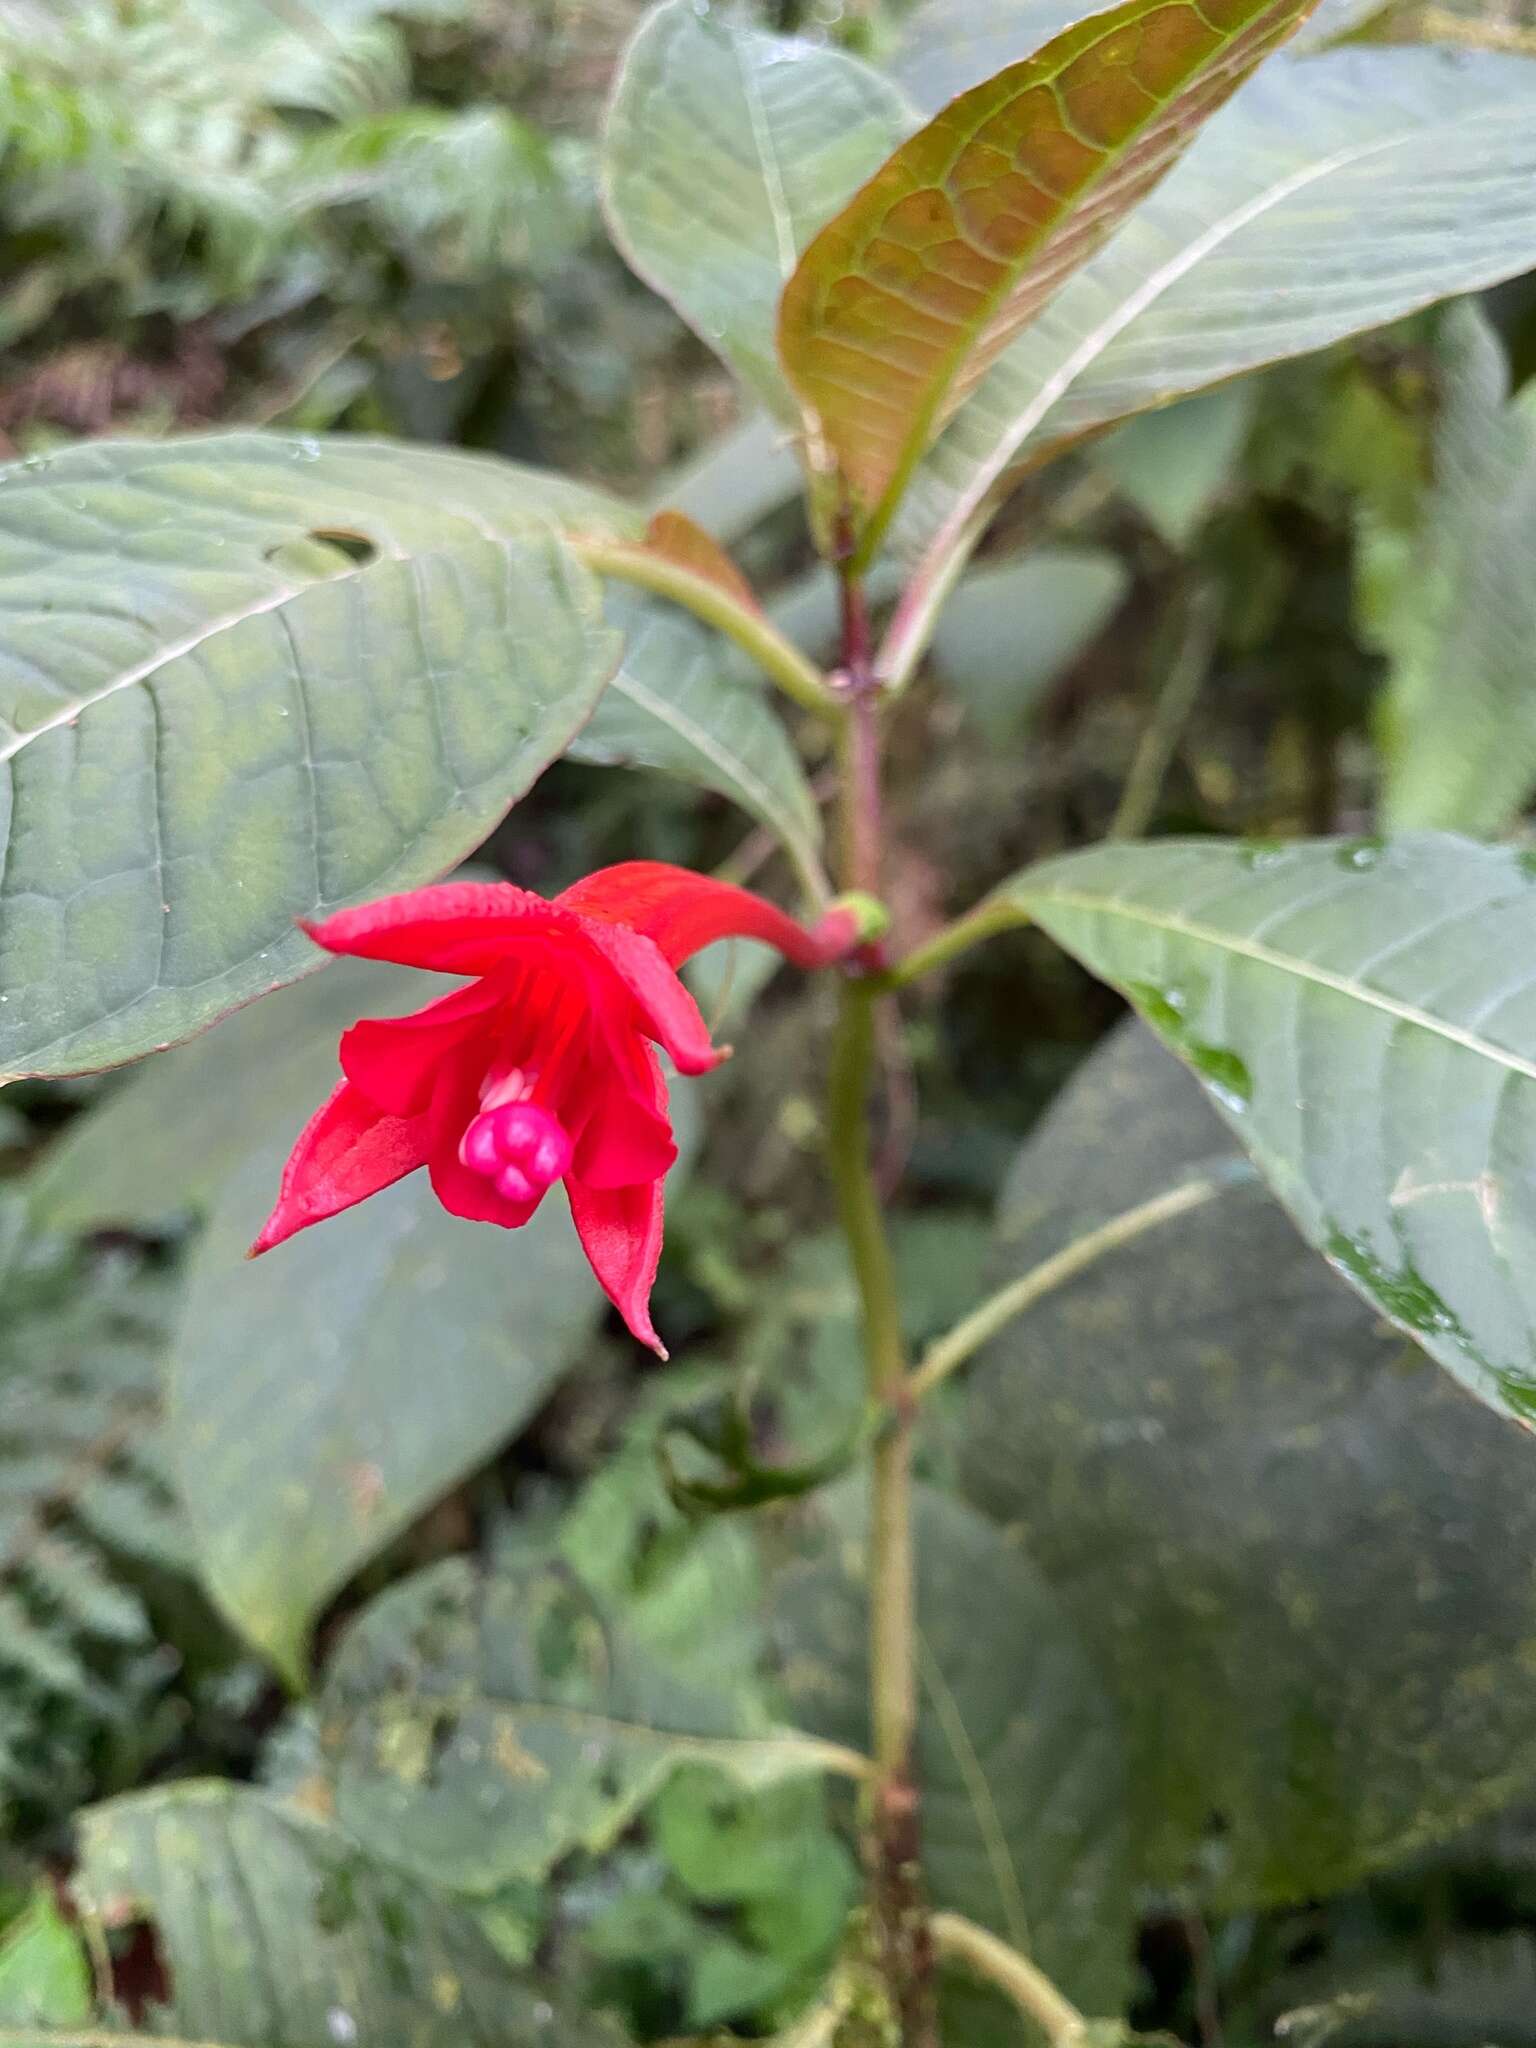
{"points": [[542, 1068]]}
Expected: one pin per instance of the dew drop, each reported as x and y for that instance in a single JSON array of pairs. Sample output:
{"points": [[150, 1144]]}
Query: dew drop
{"points": [[1360, 854], [1261, 854]]}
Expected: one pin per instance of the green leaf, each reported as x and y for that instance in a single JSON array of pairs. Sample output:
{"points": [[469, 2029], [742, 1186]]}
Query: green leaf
{"points": [[1266, 1514], [905, 300], [1335, 193], [278, 1932], [218, 721], [1059, 597], [689, 1589], [150, 545], [771, 1854], [480, 1727], [1365, 1016], [1455, 605], [725, 151], [45, 1979], [168, 1137], [1018, 1752], [681, 703], [947, 46], [323, 1396]]}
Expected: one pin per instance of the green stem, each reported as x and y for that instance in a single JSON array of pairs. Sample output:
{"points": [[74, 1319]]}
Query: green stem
{"points": [[753, 632], [1030, 1989], [893, 1844], [992, 915], [893, 1662], [983, 1323], [1175, 703]]}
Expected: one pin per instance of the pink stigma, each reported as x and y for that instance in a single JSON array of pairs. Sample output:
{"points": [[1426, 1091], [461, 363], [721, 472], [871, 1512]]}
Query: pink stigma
{"points": [[520, 1147]]}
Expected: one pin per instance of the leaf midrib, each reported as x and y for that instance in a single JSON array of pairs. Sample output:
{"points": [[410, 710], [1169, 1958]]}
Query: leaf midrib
{"points": [[774, 188], [144, 671], [793, 1745], [1130, 309], [930, 416], [1287, 963], [801, 849]]}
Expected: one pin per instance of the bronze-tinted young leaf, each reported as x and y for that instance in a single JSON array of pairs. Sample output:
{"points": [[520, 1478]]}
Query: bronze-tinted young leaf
{"points": [[903, 301], [683, 541], [1330, 196]]}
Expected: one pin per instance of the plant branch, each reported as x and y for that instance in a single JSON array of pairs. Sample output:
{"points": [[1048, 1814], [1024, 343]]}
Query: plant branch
{"points": [[751, 630], [1160, 737], [893, 1841], [992, 915], [968, 1336], [1030, 1989], [893, 1654]]}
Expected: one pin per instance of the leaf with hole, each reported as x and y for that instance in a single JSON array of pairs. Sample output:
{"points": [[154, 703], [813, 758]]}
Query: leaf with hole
{"points": [[903, 302], [218, 719], [1190, 1510], [1365, 1016], [725, 150], [1334, 194], [480, 1726], [274, 1930]]}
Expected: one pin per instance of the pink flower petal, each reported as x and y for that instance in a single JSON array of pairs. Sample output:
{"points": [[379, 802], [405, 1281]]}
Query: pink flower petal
{"points": [[629, 1137], [667, 1012], [620, 1232], [456, 927], [395, 1060], [682, 912], [348, 1151]]}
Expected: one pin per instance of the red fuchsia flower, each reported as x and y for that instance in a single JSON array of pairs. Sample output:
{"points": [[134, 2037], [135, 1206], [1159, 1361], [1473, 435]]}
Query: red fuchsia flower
{"points": [[540, 1069]]}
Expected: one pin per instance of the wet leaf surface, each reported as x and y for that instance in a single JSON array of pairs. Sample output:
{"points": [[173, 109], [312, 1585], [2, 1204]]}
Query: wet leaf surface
{"points": [[1300, 1553]]}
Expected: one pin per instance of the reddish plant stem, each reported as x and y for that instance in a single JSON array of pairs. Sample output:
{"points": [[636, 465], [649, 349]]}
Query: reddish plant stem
{"points": [[862, 821], [893, 1848]]}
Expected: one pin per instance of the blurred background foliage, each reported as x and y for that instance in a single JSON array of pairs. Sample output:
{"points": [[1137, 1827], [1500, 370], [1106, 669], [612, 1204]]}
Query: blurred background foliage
{"points": [[1306, 1633]]}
